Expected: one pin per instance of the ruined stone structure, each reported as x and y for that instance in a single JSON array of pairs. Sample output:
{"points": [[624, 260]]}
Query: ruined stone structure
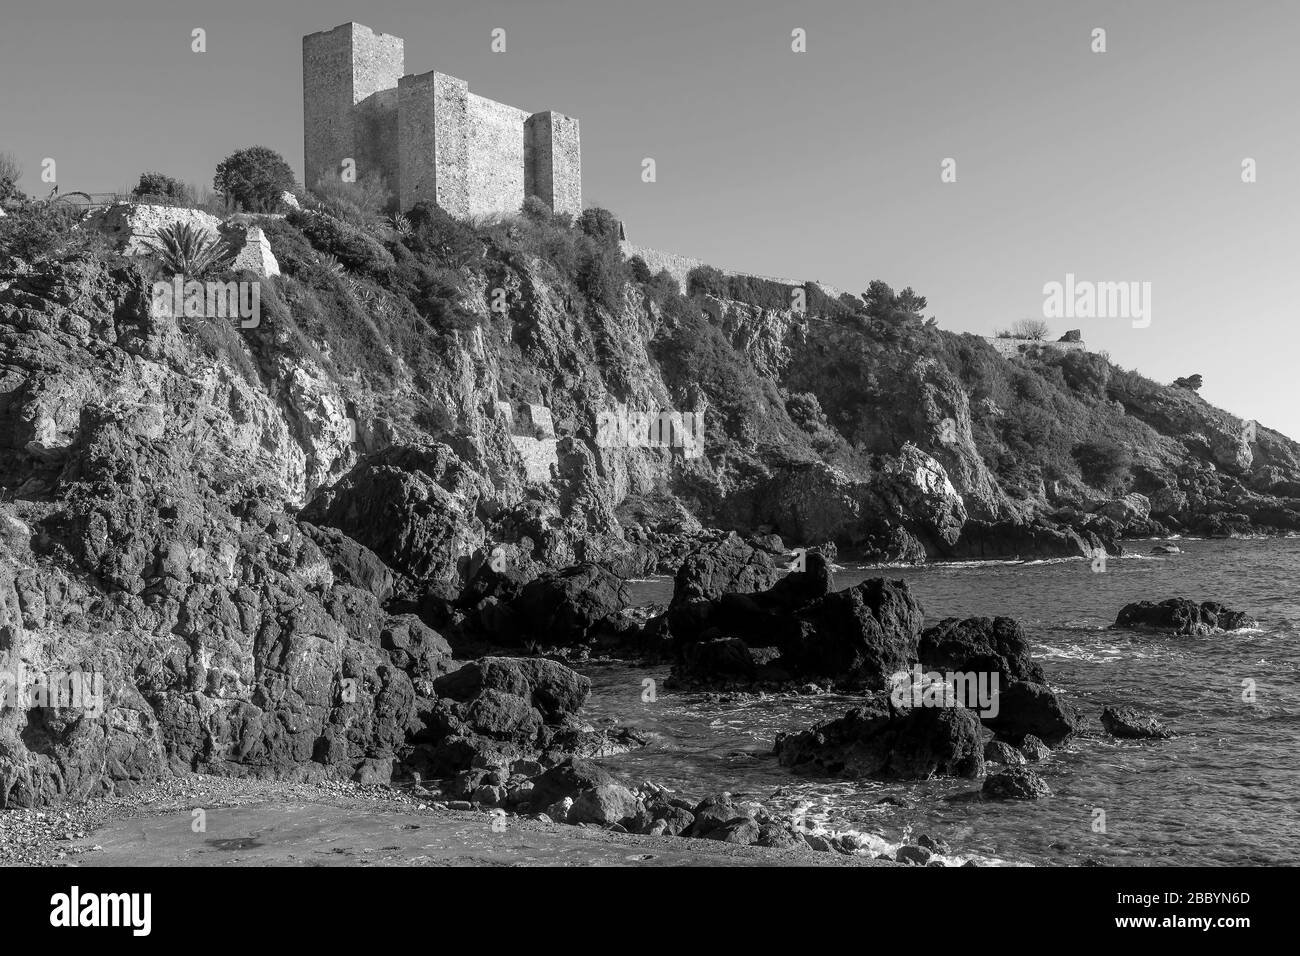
{"points": [[1015, 347], [427, 134]]}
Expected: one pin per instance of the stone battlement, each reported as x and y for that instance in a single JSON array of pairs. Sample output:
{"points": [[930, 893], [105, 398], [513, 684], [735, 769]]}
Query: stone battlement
{"points": [[427, 134]]}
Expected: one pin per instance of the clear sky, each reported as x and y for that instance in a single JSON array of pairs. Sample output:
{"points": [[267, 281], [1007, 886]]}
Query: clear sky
{"points": [[1115, 166]]}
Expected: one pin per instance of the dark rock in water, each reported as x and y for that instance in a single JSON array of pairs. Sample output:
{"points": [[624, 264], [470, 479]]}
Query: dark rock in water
{"points": [[1026, 708], [565, 608], [918, 855], [727, 567], [555, 690], [1166, 549], [873, 742], [987, 540], [980, 644], [1133, 724], [1181, 617], [930, 843], [1035, 750], [855, 637], [724, 659], [1016, 783], [995, 751]]}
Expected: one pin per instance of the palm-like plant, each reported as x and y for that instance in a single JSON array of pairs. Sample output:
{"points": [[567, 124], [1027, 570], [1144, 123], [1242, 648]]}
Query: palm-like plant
{"points": [[184, 249]]}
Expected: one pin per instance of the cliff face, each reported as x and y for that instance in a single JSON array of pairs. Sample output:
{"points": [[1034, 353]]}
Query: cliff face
{"points": [[252, 534]]}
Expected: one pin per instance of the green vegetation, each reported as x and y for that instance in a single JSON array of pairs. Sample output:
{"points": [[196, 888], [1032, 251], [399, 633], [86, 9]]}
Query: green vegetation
{"points": [[159, 188], [184, 249], [254, 180]]}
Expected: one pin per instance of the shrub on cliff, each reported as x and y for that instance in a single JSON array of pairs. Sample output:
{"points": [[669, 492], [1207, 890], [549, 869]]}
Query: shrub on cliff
{"points": [[638, 270], [1104, 464], [601, 225], [356, 249], [41, 232], [359, 203], [453, 243], [706, 280], [254, 179]]}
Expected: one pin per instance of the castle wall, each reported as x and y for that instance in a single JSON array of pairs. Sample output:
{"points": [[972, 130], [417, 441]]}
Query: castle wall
{"points": [[496, 157], [376, 146], [431, 134], [554, 161], [427, 135], [346, 111]]}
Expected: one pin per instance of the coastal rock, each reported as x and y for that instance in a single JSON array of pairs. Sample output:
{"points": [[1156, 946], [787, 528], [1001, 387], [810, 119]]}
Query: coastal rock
{"points": [[1035, 750], [1133, 724], [1028, 708], [730, 566], [995, 751], [1015, 783], [1131, 509], [979, 644], [875, 742], [799, 630], [496, 711], [1179, 616], [566, 608], [413, 507]]}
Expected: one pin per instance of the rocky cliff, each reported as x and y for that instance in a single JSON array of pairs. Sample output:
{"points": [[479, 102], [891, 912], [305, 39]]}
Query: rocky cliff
{"points": [[273, 542]]}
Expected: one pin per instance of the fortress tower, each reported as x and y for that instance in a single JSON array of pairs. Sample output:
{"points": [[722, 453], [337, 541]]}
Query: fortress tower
{"points": [[427, 134]]}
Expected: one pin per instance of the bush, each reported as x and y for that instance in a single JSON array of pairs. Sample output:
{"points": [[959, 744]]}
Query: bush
{"points": [[41, 232], [602, 275], [601, 225], [663, 286], [1104, 464], [291, 249], [161, 188], [254, 179], [452, 242], [638, 270], [356, 249], [359, 203], [706, 280]]}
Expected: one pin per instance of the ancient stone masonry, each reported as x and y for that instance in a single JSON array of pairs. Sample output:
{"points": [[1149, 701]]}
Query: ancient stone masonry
{"points": [[427, 134]]}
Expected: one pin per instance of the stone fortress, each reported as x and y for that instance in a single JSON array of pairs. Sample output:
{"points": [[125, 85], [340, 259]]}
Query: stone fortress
{"points": [[427, 134]]}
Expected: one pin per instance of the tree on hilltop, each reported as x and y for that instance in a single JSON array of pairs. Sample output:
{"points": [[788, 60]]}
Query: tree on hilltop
{"points": [[1035, 329], [254, 179]]}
